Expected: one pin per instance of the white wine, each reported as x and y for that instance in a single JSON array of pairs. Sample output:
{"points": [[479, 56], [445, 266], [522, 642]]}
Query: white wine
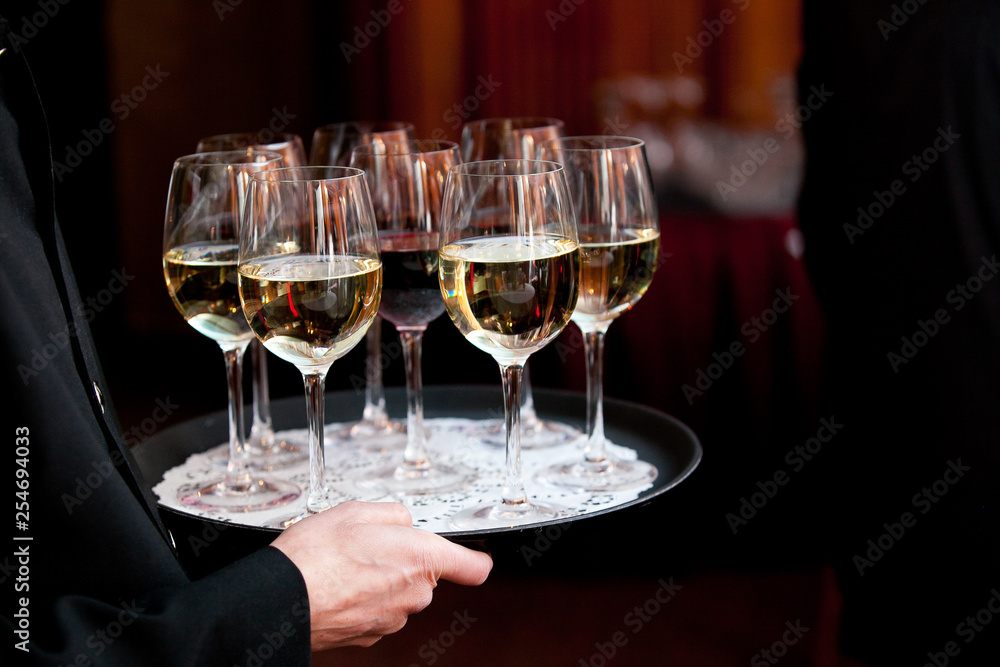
{"points": [[509, 296], [311, 310], [201, 279], [615, 274]]}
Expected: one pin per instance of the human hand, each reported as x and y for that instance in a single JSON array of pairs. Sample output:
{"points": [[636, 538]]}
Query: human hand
{"points": [[367, 569]]}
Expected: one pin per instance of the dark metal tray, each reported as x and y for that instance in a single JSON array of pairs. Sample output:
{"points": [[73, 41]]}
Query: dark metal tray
{"points": [[657, 438]]}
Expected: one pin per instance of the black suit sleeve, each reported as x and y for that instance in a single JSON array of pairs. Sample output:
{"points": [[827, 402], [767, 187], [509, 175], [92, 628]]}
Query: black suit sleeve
{"points": [[91, 577], [252, 612]]}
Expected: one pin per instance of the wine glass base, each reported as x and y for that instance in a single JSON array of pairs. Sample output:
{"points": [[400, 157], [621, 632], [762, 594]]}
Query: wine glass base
{"points": [[285, 522], [599, 477], [504, 515], [286, 451], [371, 438], [259, 494], [403, 480], [539, 434], [290, 520], [317, 505]]}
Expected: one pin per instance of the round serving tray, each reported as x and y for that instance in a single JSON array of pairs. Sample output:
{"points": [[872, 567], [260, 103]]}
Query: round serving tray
{"points": [[656, 437]]}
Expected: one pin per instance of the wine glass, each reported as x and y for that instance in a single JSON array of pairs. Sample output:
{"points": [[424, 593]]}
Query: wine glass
{"points": [[205, 200], [509, 270], [310, 280], [288, 144], [406, 181], [504, 139], [619, 241], [507, 138], [332, 145], [267, 450]]}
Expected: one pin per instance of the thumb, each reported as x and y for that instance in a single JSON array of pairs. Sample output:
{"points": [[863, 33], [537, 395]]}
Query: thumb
{"points": [[458, 564]]}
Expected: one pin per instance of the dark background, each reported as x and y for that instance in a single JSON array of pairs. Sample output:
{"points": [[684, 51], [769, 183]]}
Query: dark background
{"points": [[246, 66]]}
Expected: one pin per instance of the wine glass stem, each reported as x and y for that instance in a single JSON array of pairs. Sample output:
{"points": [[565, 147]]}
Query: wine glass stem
{"points": [[374, 412], [237, 473], [593, 345], [261, 430], [415, 455], [318, 500], [529, 418], [513, 489]]}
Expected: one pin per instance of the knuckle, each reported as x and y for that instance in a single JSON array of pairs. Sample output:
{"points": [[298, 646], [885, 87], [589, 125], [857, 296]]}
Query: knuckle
{"points": [[397, 624], [400, 512], [423, 599]]}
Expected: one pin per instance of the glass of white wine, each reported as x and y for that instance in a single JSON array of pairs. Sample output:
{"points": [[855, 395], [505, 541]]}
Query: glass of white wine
{"points": [[620, 242], [509, 271], [333, 145], [310, 279], [267, 450], [206, 197], [517, 138]]}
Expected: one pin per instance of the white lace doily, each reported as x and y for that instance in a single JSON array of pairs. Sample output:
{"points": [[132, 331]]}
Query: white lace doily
{"points": [[450, 441]]}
